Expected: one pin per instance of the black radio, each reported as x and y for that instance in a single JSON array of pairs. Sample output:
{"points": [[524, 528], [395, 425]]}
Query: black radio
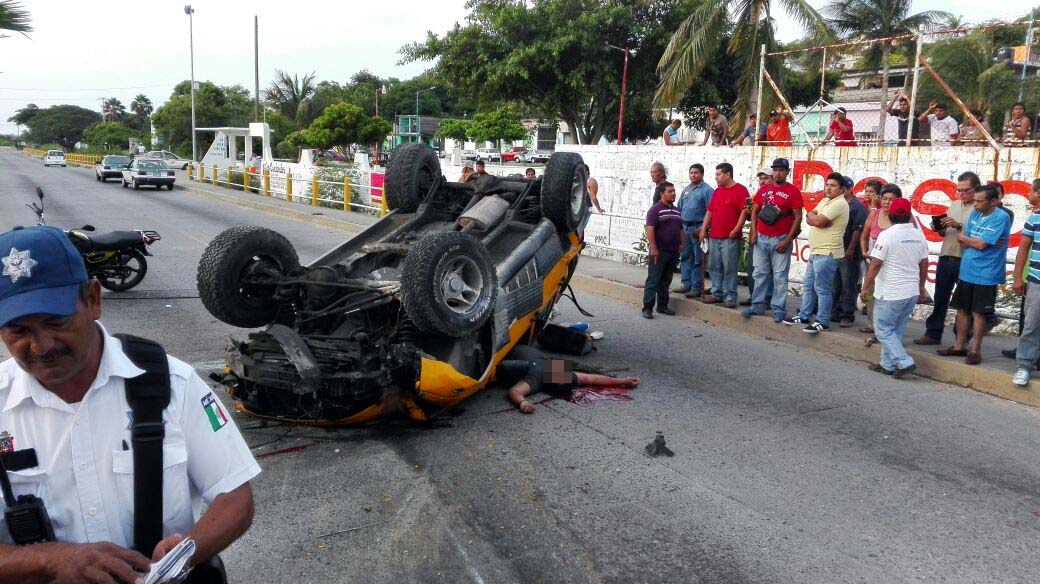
{"points": [[26, 517]]}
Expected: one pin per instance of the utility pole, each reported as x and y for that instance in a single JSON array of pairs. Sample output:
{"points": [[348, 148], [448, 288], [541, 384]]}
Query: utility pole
{"points": [[379, 89], [256, 67], [624, 89], [1029, 53], [191, 48]]}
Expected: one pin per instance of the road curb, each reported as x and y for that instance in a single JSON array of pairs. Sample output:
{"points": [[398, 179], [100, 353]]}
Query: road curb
{"points": [[261, 205], [929, 365]]}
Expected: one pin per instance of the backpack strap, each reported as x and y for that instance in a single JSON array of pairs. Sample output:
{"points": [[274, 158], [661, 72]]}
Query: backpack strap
{"points": [[148, 395]]}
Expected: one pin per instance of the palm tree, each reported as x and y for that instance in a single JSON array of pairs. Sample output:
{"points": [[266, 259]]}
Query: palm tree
{"points": [[880, 19], [751, 25], [112, 109], [290, 95], [13, 17], [141, 106]]}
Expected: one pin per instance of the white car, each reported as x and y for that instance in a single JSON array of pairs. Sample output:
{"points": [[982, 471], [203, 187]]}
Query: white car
{"points": [[489, 154], [171, 159], [54, 158]]}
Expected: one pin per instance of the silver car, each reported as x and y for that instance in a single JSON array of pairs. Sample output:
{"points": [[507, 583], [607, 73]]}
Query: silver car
{"points": [[171, 159], [111, 166], [147, 171]]}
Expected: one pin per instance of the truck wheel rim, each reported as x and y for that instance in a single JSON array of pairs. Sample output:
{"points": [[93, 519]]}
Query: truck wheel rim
{"points": [[461, 284]]}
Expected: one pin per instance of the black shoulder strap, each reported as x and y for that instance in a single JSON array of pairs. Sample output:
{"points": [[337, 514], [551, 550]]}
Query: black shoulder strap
{"points": [[148, 395]]}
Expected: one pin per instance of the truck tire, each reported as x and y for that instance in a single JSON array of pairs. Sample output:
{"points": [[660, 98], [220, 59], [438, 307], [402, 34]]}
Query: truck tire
{"points": [[230, 256], [411, 171], [565, 196], [448, 284]]}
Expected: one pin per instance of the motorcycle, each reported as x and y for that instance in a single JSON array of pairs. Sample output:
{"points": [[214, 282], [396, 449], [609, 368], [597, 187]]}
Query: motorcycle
{"points": [[116, 259]]}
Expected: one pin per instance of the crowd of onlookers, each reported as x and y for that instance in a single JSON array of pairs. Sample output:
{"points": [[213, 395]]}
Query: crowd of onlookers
{"points": [[942, 128], [873, 250]]}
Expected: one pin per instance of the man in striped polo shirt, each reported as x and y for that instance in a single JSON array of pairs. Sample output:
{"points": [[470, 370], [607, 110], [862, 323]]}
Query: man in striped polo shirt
{"points": [[664, 236], [1027, 283]]}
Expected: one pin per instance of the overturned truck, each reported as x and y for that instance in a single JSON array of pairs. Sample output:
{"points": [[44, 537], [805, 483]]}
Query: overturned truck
{"points": [[413, 314]]}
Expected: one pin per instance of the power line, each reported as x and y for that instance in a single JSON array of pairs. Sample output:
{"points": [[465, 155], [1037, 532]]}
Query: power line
{"points": [[87, 89]]}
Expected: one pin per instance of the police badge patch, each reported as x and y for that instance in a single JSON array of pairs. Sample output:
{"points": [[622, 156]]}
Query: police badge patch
{"points": [[6, 442]]}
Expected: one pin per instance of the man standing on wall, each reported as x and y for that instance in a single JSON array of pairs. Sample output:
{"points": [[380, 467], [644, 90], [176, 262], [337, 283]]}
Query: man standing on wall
{"points": [[899, 265], [664, 236], [717, 128], [775, 220], [985, 240], [753, 132], [948, 268], [670, 136], [906, 123], [944, 129], [658, 174], [826, 244], [840, 129], [778, 133], [723, 227], [846, 279], [693, 204]]}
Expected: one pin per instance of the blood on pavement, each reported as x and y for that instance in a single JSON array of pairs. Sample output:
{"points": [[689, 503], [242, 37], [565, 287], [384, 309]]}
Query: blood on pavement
{"points": [[590, 395]]}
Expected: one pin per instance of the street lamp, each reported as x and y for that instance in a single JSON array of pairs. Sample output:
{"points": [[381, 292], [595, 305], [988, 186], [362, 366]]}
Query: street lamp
{"points": [[624, 87], [191, 47], [418, 129]]}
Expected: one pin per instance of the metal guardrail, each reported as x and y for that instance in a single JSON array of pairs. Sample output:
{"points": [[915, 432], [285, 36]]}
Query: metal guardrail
{"points": [[87, 159], [309, 191]]}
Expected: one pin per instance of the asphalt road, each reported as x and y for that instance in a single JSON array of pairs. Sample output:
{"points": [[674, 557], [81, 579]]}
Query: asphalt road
{"points": [[789, 466]]}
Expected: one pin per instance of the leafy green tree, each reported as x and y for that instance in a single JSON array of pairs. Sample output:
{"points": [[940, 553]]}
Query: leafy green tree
{"points": [[341, 125], [112, 109], [877, 19], [13, 17], [214, 106], [749, 24], [551, 57], [61, 124], [457, 130], [290, 95], [109, 136], [23, 115], [500, 124]]}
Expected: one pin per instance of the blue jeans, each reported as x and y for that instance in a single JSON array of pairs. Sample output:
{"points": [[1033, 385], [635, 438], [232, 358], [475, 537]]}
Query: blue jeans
{"points": [[723, 255], [771, 271], [890, 320], [690, 260], [1029, 337], [818, 288]]}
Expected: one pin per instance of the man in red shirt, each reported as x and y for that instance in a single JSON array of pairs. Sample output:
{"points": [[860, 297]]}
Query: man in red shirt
{"points": [[841, 129], [775, 219], [723, 229], [778, 133]]}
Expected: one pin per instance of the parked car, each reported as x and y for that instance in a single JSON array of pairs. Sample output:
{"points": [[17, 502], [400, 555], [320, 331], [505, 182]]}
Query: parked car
{"points": [[469, 155], [513, 154], [54, 158], [171, 159], [111, 166], [148, 171], [408, 317], [489, 154], [537, 156]]}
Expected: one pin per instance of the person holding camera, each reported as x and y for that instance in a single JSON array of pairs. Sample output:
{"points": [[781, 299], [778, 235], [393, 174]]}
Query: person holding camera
{"points": [[125, 442]]}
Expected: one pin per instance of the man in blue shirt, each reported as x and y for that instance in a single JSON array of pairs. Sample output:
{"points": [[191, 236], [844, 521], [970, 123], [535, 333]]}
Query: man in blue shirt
{"points": [[693, 204], [983, 268]]}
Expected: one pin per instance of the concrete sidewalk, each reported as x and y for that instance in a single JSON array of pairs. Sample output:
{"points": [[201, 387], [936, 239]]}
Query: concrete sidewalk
{"points": [[624, 282]]}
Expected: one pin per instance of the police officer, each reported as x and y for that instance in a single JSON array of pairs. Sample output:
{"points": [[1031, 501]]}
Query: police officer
{"points": [[63, 394]]}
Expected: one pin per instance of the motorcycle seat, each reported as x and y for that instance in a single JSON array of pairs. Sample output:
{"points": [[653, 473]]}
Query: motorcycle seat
{"points": [[112, 241]]}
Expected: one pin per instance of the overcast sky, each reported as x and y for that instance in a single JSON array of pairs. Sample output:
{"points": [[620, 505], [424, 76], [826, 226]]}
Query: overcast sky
{"points": [[81, 52]]}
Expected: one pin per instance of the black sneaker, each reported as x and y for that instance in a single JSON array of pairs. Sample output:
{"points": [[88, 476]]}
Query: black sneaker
{"points": [[815, 328], [900, 373], [879, 369], [666, 311], [794, 320], [647, 313]]}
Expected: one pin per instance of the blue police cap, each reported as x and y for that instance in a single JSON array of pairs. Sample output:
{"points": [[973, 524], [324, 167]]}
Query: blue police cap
{"points": [[41, 274]]}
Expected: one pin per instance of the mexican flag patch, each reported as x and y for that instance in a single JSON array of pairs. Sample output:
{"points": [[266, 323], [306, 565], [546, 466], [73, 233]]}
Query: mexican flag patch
{"points": [[217, 417]]}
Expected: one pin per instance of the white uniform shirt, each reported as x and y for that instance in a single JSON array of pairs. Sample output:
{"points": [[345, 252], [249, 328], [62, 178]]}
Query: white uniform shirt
{"points": [[85, 475], [942, 129], [901, 247]]}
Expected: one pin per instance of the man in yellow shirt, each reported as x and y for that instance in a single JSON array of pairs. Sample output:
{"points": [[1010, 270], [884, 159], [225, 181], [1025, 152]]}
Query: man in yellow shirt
{"points": [[826, 244]]}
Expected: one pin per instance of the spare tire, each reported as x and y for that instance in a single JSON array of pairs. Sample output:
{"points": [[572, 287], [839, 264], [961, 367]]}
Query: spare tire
{"points": [[565, 196], [448, 284], [233, 254], [410, 172]]}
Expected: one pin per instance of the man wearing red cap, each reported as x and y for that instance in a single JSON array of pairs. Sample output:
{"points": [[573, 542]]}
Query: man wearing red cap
{"points": [[898, 267]]}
